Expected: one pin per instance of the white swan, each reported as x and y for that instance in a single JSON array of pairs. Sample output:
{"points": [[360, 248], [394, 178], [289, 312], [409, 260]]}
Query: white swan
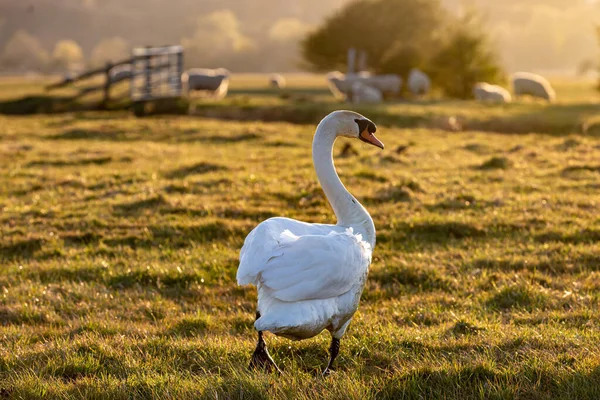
{"points": [[310, 276]]}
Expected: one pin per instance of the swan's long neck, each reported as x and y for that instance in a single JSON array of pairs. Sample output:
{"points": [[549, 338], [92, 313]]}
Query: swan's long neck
{"points": [[347, 209]]}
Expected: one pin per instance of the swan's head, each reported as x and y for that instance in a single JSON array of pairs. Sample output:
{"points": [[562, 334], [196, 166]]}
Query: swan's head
{"points": [[354, 125]]}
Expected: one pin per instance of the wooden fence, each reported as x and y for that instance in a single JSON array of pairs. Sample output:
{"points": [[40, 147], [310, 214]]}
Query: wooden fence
{"points": [[158, 69]]}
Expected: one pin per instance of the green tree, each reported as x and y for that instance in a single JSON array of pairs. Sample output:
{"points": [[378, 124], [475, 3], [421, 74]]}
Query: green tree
{"points": [[464, 59], [110, 49], [24, 50], [375, 26], [67, 54]]}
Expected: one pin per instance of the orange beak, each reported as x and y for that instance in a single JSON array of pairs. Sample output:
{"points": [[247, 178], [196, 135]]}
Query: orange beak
{"points": [[370, 138]]}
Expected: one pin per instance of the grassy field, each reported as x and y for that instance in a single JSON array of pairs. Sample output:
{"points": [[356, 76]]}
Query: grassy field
{"points": [[119, 240]]}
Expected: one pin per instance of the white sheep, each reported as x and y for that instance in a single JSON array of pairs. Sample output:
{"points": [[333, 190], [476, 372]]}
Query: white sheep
{"points": [[341, 85], [418, 82], [526, 83], [363, 93], [389, 84], [277, 81], [215, 82], [120, 73], [335, 82], [485, 92]]}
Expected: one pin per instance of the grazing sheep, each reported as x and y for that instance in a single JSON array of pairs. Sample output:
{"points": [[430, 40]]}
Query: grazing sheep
{"points": [[525, 83], [418, 82], [363, 93], [494, 93], [389, 84], [277, 81], [213, 81], [341, 85], [120, 73], [335, 81]]}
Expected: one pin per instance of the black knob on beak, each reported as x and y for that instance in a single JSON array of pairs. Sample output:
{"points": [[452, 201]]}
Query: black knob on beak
{"points": [[365, 125]]}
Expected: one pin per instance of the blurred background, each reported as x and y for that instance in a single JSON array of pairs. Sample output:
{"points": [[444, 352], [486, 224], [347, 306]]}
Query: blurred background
{"points": [[546, 36]]}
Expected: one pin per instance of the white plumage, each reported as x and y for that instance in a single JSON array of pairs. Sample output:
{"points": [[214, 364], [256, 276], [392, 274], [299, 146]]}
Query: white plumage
{"points": [[302, 272], [310, 276]]}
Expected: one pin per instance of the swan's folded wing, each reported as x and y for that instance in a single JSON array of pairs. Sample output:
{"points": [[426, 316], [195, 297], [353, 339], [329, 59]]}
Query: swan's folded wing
{"points": [[264, 243], [259, 245], [316, 266]]}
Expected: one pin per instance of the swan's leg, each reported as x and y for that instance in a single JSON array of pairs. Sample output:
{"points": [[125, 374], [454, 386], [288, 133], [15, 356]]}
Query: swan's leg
{"points": [[261, 357], [334, 349]]}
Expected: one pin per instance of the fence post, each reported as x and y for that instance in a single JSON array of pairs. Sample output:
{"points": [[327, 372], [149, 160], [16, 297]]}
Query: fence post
{"points": [[362, 61], [107, 83], [179, 72], [148, 72], [351, 60]]}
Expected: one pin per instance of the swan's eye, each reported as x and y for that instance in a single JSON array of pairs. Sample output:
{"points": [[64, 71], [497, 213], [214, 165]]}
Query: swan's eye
{"points": [[365, 125]]}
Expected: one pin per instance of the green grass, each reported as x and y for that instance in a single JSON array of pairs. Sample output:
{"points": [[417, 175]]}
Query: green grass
{"points": [[119, 240]]}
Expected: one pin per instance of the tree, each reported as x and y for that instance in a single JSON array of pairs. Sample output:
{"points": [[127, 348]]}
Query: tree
{"points": [[464, 59], [23, 50], [67, 54], [217, 42], [286, 30], [375, 26], [109, 49], [280, 50]]}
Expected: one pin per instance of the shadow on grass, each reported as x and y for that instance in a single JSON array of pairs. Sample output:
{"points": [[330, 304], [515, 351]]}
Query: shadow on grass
{"points": [[431, 232], [555, 119], [557, 265], [195, 169], [24, 316], [21, 250], [586, 236], [574, 169], [71, 163], [38, 105], [520, 296], [243, 137], [566, 320], [52, 275], [392, 282], [91, 134], [82, 239], [138, 207], [462, 202], [180, 236]]}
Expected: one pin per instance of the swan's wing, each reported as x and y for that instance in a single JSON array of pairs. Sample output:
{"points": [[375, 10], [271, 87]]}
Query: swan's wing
{"points": [[264, 242], [315, 266]]}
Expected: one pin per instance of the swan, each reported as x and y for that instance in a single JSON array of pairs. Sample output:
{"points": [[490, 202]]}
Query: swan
{"points": [[310, 277]]}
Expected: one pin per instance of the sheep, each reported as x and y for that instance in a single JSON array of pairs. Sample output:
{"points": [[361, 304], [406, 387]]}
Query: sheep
{"points": [[418, 82], [485, 92], [335, 82], [525, 83], [389, 84], [341, 85], [277, 81], [213, 81], [120, 73], [363, 93]]}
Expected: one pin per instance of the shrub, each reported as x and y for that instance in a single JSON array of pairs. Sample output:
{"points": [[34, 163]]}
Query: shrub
{"points": [[399, 35], [464, 59], [375, 26]]}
